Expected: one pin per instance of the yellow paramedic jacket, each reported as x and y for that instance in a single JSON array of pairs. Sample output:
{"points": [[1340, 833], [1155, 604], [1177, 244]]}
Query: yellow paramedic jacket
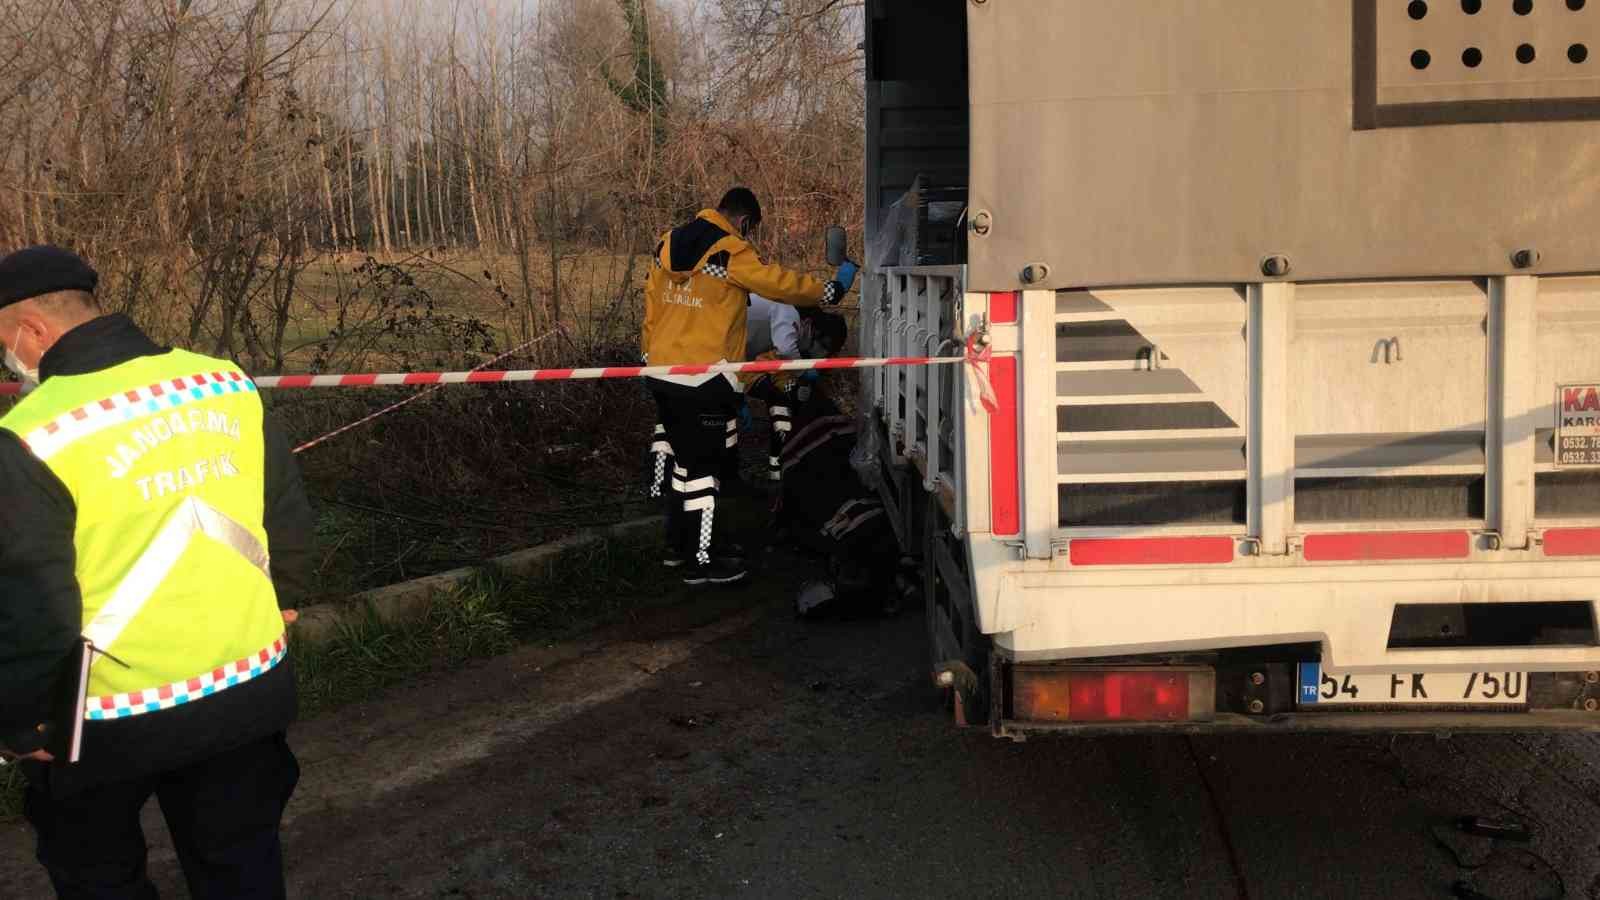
{"points": [[699, 288]]}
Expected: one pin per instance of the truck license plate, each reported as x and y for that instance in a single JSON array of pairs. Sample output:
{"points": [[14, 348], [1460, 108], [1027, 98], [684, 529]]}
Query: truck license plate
{"points": [[1319, 688]]}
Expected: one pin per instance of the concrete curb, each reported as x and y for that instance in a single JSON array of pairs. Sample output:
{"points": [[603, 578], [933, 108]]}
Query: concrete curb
{"points": [[410, 600]]}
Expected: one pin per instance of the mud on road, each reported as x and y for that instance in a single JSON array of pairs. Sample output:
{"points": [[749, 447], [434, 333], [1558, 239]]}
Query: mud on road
{"points": [[718, 747]]}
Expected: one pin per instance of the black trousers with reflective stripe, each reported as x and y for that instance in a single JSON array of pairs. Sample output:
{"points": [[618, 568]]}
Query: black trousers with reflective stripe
{"points": [[778, 412], [696, 420], [223, 814]]}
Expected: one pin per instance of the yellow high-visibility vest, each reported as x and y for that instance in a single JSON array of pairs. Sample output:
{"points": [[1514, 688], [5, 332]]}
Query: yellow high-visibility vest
{"points": [[164, 457]]}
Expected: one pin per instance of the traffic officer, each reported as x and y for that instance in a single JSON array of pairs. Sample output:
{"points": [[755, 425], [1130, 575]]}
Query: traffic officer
{"points": [[151, 522], [696, 298]]}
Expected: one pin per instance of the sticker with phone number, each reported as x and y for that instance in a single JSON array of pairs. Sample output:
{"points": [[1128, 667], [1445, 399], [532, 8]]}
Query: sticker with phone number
{"points": [[1577, 442]]}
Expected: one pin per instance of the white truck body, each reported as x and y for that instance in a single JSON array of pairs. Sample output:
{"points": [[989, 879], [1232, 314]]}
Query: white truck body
{"points": [[1294, 350]]}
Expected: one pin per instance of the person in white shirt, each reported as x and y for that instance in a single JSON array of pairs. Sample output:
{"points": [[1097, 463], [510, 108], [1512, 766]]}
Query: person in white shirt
{"points": [[776, 331], [771, 328]]}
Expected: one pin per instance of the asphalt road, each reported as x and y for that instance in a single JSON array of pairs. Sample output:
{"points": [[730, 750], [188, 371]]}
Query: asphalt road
{"points": [[720, 748]]}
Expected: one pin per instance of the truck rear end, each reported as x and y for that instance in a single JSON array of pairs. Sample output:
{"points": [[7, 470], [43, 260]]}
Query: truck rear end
{"points": [[1292, 314]]}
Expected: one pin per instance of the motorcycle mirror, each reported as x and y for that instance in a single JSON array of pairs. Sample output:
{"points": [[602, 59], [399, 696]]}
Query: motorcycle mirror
{"points": [[836, 245]]}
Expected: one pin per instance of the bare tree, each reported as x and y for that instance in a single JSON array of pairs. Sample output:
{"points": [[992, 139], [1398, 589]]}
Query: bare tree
{"points": [[209, 153]]}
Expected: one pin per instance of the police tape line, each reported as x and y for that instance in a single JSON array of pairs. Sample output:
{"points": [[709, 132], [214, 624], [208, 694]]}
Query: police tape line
{"points": [[516, 375], [421, 394], [519, 375], [976, 357]]}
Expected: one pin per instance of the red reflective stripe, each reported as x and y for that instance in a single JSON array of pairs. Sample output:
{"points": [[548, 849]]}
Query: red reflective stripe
{"points": [[359, 380], [1387, 545], [765, 365], [684, 370], [80, 414], [10, 388], [421, 378], [1151, 551], [552, 374], [837, 362], [1003, 307], [108, 405], [291, 381], [485, 377], [158, 391], [619, 372], [1572, 542], [1004, 493]]}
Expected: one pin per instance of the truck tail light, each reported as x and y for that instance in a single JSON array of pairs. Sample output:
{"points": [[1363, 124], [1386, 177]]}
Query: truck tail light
{"points": [[1137, 694]]}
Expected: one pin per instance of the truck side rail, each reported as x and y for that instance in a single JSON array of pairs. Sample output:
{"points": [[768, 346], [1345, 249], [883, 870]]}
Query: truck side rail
{"points": [[918, 311]]}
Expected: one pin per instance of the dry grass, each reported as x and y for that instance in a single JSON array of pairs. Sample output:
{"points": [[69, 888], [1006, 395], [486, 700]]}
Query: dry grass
{"points": [[349, 302], [470, 280]]}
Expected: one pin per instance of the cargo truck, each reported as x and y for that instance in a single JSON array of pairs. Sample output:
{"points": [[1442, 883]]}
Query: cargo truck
{"points": [[1292, 315]]}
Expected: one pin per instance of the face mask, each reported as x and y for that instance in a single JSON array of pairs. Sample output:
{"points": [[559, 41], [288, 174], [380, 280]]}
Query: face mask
{"points": [[27, 374]]}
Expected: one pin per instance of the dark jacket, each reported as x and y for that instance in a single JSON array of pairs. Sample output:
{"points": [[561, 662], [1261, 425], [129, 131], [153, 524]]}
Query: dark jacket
{"points": [[41, 609]]}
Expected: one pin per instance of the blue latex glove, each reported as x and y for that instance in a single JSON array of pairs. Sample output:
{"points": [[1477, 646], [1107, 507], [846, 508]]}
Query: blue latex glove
{"points": [[846, 275]]}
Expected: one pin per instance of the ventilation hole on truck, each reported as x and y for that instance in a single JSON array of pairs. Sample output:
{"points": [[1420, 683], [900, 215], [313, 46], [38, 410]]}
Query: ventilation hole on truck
{"points": [[1471, 7], [1420, 59], [1152, 503], [1577, 53], [1573, 494], [1405, 498], [1472, 57], [1417, 9], [1525, 54], [1522, 7]]}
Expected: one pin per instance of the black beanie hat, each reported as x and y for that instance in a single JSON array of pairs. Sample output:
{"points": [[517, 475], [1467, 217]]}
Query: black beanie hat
{"points": [[36, 271]]}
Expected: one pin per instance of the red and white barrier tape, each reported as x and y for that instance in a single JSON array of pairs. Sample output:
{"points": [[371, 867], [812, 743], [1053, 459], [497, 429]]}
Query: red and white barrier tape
{"points": [[494, 377], [479, 376], [976, 358], [413, 398]]}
